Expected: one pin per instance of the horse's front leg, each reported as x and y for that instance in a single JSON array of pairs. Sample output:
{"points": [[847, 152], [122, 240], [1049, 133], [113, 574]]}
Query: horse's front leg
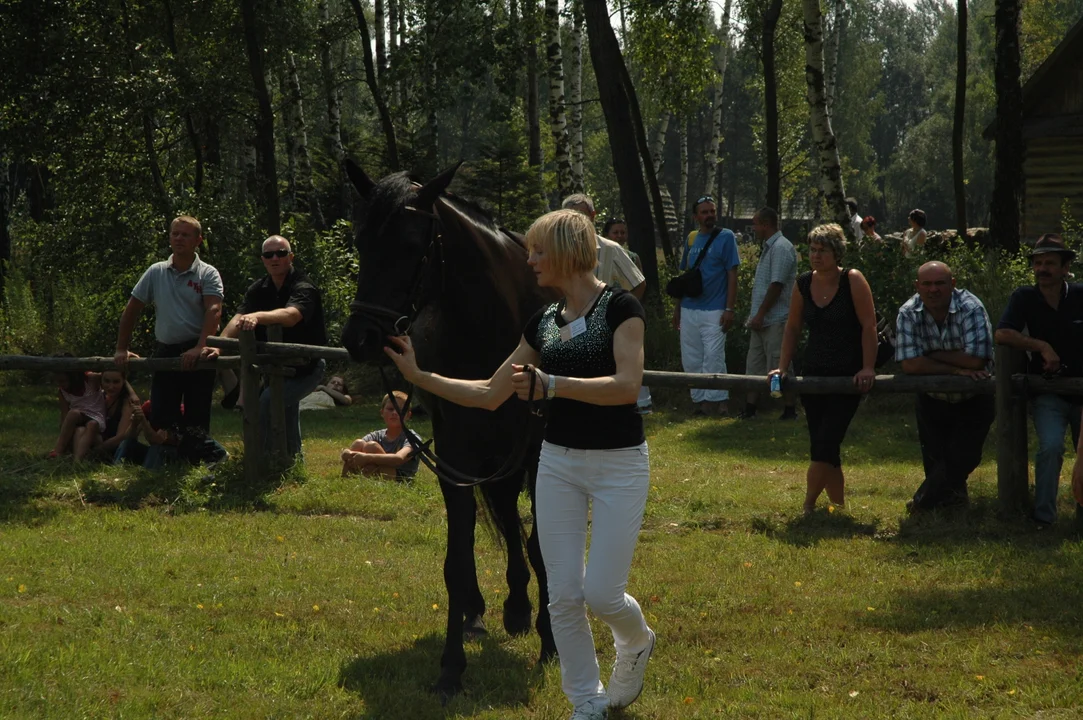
{"points": [[460, 579]]}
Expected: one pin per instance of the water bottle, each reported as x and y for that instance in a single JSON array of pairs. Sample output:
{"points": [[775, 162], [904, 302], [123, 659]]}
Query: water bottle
{"points": [[776, 386]]}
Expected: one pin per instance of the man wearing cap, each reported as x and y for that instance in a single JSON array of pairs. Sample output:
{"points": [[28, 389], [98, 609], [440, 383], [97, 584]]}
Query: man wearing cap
{"points": [[1051, 311], [943, 330], [704, 320]]}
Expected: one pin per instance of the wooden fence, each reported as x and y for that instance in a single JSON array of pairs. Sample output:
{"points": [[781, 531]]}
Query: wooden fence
{"points": [[272, 359]]}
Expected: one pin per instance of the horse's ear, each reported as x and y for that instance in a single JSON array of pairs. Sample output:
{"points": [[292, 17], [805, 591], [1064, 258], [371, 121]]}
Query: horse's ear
{"points": [[360, 180], [434, 188]]}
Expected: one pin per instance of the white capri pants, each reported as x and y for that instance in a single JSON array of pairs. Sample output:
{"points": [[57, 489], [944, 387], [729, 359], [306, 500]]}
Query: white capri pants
{"points": [[612, 485]]}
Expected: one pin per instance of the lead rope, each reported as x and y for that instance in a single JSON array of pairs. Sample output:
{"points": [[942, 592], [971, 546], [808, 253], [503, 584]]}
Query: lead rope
{"points": [[444, 471]]}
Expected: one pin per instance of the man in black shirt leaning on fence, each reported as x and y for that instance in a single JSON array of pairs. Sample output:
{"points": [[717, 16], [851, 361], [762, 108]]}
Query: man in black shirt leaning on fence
{"points": [[288, 298], [1051, 311], [943, 330]]}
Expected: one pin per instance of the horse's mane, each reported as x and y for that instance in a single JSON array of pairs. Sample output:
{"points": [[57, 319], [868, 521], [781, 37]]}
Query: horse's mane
{"points": [[398, 189]]}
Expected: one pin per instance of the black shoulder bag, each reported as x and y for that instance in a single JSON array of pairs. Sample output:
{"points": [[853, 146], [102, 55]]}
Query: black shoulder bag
{"points": [[690, 282]]}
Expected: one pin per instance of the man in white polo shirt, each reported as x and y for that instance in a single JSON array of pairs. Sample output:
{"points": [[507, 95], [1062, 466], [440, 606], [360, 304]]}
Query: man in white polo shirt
{"points": [[615, 267], [187, 297]]}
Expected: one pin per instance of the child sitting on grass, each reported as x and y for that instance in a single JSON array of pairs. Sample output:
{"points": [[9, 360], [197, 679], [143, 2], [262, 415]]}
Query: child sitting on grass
{"points": [[82, 412], [385, 452]]}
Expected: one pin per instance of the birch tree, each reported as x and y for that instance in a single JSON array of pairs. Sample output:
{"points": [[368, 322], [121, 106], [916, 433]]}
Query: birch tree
{"points": [[770, 103], [714, 150], [682, 194], [831, 52], [658, 143], [576, 82], [558, 121], [378, 19], [265, 131], [306, 190], [822, 135]]}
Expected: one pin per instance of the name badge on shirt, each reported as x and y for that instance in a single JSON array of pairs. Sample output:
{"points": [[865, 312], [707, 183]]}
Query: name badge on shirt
{"points": [[573, 329]]}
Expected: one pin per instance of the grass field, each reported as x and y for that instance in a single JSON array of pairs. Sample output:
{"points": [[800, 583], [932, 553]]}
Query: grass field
{"points": [[124, 595]]}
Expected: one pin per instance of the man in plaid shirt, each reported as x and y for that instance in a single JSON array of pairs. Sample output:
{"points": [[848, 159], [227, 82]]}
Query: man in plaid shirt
{"points": [[945, 331]]}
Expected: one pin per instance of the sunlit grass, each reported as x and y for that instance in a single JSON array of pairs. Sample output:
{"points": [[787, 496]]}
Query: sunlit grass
{"points": [[128, 595]]}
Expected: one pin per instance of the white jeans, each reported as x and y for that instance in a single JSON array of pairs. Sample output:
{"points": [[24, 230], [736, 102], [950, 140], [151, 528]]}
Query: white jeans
{"points": [[613, 485], [703, 349]]}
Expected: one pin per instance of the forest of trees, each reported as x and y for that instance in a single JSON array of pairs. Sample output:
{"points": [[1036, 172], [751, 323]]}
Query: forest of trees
{"points": [[116, 115]]}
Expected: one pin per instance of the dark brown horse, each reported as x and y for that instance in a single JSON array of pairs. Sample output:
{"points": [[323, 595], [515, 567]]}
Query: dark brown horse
{"points": [[438, 268]]}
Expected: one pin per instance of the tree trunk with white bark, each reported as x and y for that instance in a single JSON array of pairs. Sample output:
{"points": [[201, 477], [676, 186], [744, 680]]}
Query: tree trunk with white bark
{"points": [[558, 120], [822, 135], [714, 150], [381, 43], [831, 59], [306, 190], [658, 144], [682, 195], [576, 82]]}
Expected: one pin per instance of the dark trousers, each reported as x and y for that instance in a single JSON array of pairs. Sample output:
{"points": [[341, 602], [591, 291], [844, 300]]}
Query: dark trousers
{"points": [[168, 389], [952, 435]]}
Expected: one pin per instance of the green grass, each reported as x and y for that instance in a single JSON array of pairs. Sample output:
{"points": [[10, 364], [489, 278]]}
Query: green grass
{"points": [[129, 595]]}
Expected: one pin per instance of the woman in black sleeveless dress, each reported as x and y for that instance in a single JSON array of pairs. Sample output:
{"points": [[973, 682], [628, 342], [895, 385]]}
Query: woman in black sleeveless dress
{"points": [[837, 306]]}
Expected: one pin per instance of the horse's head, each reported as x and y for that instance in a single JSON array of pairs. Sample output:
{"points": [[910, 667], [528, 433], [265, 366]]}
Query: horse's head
{"points": [[396, 246]]}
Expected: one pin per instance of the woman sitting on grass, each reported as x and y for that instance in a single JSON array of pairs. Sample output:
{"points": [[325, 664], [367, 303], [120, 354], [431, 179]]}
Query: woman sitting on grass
{"points": [[837, 306], [385, 452], [82, 412]]}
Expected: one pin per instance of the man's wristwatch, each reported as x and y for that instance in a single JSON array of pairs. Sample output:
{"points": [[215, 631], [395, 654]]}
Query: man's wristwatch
{"points": [[551, 391], [726, 310]]}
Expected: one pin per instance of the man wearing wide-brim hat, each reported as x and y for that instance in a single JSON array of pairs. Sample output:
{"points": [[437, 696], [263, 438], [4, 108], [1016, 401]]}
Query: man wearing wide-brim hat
{"points": [[1051, 311]]}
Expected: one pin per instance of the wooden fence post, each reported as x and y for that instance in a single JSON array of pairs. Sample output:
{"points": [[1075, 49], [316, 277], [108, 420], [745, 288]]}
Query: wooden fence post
{"points": [[279, 452], [1012, 462], [253, 443]]}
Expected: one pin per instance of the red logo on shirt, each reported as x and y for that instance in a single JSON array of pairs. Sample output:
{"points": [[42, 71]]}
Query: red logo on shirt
{"points": [[196, 286]]}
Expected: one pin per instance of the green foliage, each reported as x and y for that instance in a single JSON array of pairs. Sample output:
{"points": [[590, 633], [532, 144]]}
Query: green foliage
{"points": [[501, 180], [331, 262], [673, 51]]}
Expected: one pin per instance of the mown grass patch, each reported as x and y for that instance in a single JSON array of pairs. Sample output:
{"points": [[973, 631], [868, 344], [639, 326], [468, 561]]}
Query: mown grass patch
{"points": [[124, 594]]}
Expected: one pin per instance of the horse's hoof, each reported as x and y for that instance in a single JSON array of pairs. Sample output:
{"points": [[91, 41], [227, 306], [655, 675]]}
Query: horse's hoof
{"points": [[474, 629], [547, 655], [517, 620], [445, 690]]}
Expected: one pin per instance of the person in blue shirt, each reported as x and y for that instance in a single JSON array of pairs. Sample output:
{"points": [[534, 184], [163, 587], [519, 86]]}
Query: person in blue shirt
{"points": [[704, 320]]}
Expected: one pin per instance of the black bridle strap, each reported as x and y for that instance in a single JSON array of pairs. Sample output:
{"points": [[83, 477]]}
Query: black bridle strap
{"points": [[422, 450], [398, 321]]}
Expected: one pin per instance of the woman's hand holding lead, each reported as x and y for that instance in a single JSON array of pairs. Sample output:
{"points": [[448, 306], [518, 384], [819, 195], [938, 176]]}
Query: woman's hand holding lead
{"points": [[520, 380], [402, 354]]}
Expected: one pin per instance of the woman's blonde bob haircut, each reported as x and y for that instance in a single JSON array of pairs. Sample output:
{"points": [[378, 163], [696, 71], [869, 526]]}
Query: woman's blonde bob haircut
{"points": [[567, 238], [831, 236]]}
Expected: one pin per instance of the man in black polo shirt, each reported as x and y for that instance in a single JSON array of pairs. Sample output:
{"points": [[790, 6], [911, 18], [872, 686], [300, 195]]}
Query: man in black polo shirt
{"points": [[288, 298], [1051, 311]]}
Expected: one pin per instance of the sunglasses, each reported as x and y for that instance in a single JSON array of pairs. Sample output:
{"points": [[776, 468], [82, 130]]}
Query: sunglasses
{"points": [[275, 253], [705, 198]]}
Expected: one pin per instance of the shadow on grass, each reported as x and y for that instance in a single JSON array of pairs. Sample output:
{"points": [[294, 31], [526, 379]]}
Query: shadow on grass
{"points": [[808, 530], [396, 684], [35, 488], [1035, 587]]}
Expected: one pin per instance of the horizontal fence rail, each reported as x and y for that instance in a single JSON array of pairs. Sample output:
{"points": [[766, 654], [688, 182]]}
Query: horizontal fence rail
{"points": [[1010, 386]]}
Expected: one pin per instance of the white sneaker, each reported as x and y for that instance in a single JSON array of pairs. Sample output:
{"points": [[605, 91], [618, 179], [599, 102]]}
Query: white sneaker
{"points": [[596, 709], [626, 682]]}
